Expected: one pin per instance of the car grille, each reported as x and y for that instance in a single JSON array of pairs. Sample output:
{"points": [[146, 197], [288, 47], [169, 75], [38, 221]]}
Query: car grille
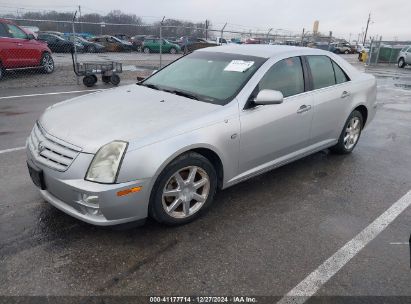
{"points": [[50, 151]]}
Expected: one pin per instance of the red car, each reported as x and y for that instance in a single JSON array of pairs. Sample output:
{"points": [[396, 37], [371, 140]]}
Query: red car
{"points": [[19, 49]]}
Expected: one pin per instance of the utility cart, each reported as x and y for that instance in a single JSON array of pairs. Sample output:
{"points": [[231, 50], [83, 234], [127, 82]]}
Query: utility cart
{"points": [[109, 71]]}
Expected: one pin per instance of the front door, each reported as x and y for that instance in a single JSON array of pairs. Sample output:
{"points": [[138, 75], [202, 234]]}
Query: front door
{"points": [[273, 133]]}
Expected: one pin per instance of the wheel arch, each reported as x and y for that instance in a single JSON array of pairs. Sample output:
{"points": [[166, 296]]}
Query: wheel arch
{"points": [[364, 112], [205, 150]]}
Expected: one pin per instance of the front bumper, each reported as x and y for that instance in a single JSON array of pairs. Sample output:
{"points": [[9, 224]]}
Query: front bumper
{"points": [[66, 190]]}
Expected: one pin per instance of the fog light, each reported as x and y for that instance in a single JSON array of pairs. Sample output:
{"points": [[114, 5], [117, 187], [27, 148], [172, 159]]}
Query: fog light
{"points": [[90, 199]]}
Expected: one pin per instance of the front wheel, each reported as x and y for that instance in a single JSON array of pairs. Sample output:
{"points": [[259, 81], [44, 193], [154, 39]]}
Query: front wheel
{"points": [[173, 51], [146, 50], [47, 63], [346, 52], [350, 134], [401, 63], [184, 190]]}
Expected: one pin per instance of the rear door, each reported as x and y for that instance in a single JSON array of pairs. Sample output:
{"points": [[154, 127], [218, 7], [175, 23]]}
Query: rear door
{"points": [[332, 97]]}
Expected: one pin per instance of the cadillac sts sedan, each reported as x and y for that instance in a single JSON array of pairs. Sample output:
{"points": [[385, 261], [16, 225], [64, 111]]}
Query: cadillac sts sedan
{"points": [[161, 148]]}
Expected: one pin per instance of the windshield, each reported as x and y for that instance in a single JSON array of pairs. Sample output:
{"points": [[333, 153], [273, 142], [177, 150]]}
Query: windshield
{"points": [[206, 76]]}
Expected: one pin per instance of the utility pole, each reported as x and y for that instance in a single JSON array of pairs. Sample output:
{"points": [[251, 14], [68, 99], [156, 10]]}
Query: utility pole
{"points": [[302, 37], [206, 29], [222, 30], [161, 40], [269, 31], [366, 29], [81, 24]]}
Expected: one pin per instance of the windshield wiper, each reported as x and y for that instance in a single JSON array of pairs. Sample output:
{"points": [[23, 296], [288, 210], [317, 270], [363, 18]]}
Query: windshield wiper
{"points": [[184, 94], [151, 86]]}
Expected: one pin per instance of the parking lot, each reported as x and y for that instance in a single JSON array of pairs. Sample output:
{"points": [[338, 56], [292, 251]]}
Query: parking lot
{"points": [[262, 237]]}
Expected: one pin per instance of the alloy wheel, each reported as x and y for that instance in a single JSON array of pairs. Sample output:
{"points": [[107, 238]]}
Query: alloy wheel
{"points": [[185, 192], [352, 133], [48, 63]]}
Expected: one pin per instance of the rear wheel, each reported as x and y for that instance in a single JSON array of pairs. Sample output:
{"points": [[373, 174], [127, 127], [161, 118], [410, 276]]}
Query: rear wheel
{"points": [[146, 50], [89, 80], [47, 63], [350, 134], [115, 79], [184, 190], [401, 63]]}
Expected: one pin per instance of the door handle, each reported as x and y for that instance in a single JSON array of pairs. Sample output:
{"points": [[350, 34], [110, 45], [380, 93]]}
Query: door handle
{"points": [[304, 108], [345, 94]]}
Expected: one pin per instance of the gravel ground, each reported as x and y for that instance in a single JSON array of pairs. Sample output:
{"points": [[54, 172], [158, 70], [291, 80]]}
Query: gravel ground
{"points": [[134, 64]]}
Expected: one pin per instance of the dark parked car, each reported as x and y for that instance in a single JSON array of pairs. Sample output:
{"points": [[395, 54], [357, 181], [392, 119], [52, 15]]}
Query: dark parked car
{"points": [[123, 37], [19, 49], [138, 41], [189, 44], [113, 44], [89, 46], [58, 44]]}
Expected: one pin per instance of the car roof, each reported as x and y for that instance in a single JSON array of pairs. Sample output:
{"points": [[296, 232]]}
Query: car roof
{"points": [[264, 50]]}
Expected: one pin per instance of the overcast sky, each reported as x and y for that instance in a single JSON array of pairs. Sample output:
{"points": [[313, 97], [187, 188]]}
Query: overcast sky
{"points": [[391, 19]]}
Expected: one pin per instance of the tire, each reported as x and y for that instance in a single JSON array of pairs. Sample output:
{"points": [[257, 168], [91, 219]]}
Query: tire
{"points": [[346, 52], [344, 145], [146, 50], [115, 79], [106, 79], [401, 63], [186, 206], [173, 51], [89, 80], [47, 63]]}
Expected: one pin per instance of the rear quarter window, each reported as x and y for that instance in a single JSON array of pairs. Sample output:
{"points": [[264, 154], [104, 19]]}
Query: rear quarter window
{"points": [[340, 76]]}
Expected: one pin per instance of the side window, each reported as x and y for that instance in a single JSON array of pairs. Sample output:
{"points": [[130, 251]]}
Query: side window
{"points": [[15, 32], [340, 76], [285, 76], [3, 32], [322, 71]]}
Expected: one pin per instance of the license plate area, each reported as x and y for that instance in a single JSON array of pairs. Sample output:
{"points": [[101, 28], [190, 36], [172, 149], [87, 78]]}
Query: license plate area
{"points": [[36, 176]]}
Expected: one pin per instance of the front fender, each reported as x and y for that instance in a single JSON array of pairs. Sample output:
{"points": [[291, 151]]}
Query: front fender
{"points": [[149, 161]]}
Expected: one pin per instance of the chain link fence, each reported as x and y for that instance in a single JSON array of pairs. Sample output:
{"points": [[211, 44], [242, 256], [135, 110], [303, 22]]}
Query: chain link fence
{"points": [[385, 52], [103, 49]]}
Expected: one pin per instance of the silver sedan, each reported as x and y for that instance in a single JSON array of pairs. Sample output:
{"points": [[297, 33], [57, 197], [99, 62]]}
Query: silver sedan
{"points": [[162, 147]]}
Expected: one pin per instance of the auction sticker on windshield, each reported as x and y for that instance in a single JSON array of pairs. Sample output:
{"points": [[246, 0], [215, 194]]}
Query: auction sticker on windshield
{"points": [[238, 66]]}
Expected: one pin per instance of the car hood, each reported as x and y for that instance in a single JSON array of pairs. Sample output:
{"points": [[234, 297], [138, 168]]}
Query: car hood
{"points": [[130, 113]]}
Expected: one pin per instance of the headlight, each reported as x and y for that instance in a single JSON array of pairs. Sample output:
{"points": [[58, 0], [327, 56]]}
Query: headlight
{"points": [[106, 163]]}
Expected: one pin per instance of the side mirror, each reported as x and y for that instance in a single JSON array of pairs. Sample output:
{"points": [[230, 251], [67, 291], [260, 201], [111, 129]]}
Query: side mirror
{"points": [[30, 37], [268, 97]]}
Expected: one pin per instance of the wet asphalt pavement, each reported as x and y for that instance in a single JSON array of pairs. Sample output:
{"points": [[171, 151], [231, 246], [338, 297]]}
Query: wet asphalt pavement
{"points": [[261, 237]]}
